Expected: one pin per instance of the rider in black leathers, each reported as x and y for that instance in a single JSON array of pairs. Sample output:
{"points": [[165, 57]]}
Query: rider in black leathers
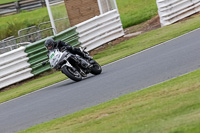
{"points": [[51, 44]]}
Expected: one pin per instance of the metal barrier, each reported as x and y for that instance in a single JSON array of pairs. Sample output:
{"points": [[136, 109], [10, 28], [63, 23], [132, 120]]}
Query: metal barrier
{"points": [[32, 34], [171, 11], [14, 67], [9, 45], [100, 30], [35, 36], [49, 22], [37, 53], [69, 36]]}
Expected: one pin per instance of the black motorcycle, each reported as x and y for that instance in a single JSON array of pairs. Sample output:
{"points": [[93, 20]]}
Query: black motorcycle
{"points": [[73, 66]]}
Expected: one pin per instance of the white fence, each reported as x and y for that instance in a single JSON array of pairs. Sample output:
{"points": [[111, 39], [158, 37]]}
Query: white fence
{"points": [[14, 67], [100, 30], [171, 11]]}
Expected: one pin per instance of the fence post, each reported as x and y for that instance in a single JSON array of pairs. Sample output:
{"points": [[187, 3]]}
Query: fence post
{"points": [[100, 6], [17, 6], [43, 3]]}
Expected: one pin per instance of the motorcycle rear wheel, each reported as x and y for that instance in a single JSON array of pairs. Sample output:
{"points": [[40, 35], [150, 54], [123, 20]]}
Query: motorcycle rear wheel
{"points": [[72, 73]]}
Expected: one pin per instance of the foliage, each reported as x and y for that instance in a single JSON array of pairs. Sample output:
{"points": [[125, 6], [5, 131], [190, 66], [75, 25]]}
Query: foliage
{"points": [[136, 11], [10, 25], [7, 1]]}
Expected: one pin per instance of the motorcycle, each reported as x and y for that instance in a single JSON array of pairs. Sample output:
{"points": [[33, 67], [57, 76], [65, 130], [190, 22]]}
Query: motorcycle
{"points": [[73, 66]]}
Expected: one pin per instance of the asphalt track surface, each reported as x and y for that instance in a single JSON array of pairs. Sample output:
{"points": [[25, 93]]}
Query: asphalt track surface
{"points": [[155, 65]]}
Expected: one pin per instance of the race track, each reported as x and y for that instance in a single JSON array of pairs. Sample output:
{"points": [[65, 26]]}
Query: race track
{"points": [[160, 63]]}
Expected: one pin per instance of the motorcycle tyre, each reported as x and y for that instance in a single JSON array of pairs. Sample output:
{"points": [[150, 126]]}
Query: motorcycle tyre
{"points": [[96, 69], [66, 71]]}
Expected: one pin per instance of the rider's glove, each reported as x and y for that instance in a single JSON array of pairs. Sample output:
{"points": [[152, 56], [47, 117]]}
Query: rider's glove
{"points": [[44, 63]]}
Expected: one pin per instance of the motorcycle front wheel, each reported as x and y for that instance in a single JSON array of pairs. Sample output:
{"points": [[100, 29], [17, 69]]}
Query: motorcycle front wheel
{"points": [[72, 73], [96, 68]]}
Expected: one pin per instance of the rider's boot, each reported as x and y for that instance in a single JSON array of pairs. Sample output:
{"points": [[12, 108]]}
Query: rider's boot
{"points": [[88, 57], [84, 63]]}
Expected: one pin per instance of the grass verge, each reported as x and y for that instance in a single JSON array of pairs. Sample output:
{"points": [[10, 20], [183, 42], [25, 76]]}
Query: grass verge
{"points": [[7, 1], [10, 25], [113, 53], [133, 12], [170, 107]]}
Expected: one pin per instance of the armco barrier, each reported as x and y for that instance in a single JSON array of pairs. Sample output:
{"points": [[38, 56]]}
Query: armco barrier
{"points": [[100, 30], [25, 62], [69, 36], [171, 11], [12, 56], [37, 53], [14, 67]]}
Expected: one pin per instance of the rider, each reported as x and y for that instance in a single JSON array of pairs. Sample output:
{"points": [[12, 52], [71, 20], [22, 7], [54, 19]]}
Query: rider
{"points": [[50, 44]]}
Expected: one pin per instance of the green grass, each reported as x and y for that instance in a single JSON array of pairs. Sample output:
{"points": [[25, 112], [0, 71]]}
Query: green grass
{"points": [[133, 12], [7, 1], [113, 53], [9, 25], [170, 107]]}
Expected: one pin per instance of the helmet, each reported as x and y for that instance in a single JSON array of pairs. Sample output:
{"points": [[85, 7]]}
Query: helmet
{"points": [[49, 44]]}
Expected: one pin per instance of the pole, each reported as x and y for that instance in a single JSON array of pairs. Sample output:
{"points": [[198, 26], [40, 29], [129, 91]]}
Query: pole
{"points": [[118, 13], [51, 17], [116, 6], [100, 7]]}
